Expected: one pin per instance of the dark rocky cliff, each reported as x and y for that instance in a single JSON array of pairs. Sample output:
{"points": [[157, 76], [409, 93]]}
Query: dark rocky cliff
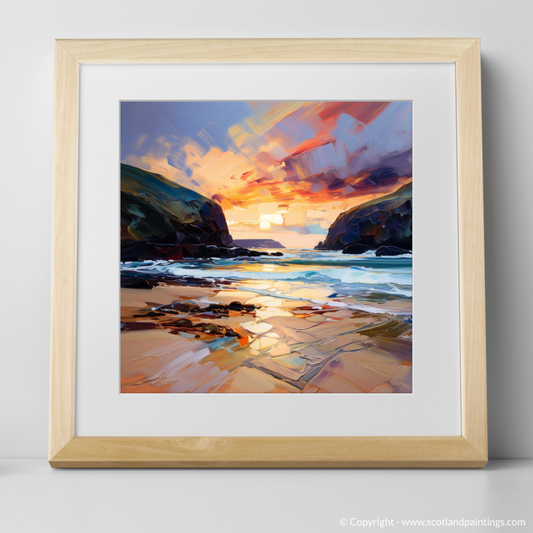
{"points": [[385, 221], [161, 219]]}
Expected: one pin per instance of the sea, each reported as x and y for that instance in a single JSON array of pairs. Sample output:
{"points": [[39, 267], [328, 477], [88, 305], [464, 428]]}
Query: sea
{"points": [[360, 282]]}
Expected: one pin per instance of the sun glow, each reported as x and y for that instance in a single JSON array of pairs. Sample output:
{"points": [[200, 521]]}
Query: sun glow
{"points": [[272, 219]]}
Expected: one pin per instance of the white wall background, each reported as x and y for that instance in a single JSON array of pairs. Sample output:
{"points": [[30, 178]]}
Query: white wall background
{"points": [[28, 31]]}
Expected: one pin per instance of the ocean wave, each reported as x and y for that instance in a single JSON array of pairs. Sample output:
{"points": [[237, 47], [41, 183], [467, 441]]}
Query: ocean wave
{"points": [[346, 275]]}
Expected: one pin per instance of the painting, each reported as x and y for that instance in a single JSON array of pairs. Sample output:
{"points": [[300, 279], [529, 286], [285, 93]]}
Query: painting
{"points": [[266, 247]]}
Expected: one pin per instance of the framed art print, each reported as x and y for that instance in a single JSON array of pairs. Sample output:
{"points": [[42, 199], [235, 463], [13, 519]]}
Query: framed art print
{"points": [[286, 273]]}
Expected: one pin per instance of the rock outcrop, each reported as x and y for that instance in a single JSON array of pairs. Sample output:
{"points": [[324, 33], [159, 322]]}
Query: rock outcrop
{"points": [[385, 221], [389, 251], [161, 219]]}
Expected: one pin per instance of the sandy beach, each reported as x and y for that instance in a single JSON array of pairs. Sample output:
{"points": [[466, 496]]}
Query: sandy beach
{"points": [[217, 336]]}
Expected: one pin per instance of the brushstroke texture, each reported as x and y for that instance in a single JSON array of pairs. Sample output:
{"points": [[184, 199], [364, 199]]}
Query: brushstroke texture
{"points": [[310, 160], [223, 286], [382, 222]]}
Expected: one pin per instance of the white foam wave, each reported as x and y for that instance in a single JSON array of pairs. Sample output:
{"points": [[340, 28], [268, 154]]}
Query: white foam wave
{"points": [[348, 275]]}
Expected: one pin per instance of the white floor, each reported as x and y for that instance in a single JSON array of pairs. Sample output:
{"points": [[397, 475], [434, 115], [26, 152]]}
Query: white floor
{"points": [[36, 498]]}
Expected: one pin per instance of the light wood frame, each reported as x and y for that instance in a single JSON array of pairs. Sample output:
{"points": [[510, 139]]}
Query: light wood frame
{"points": [[467, 450]]}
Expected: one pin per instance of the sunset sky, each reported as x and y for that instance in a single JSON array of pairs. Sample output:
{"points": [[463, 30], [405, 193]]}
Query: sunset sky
{"points": [[280, 170]]}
